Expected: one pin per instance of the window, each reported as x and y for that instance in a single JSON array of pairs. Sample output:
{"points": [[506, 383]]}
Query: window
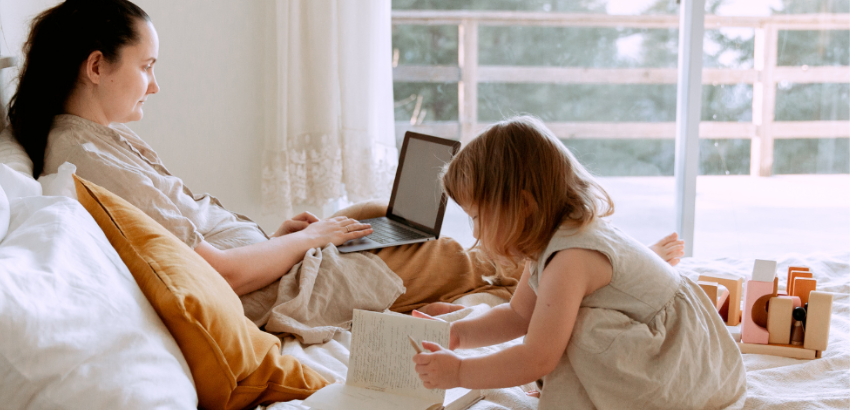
{"points": [[794, 197], [602, 75]]}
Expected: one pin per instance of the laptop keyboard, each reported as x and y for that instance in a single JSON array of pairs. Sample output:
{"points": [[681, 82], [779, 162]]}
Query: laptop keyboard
{"points": [[387, 232]]}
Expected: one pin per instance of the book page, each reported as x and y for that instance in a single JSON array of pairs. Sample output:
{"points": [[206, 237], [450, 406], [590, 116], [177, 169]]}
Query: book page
{"points": [[381, 356]]}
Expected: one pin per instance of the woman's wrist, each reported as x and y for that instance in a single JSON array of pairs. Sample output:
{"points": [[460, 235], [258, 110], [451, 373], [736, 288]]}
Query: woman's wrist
{"points": [[305, 239]]}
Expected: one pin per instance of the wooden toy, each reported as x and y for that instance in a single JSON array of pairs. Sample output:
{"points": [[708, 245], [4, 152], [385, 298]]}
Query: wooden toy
{"points": [[794, 275], [764, 271], [790, 283], [792, 331], [779, 320], [760, 289], [731, 310], [759, 311], [797, 335], [717, 293], [802, 288], [794, 352], [818, 316], [799, 313]]}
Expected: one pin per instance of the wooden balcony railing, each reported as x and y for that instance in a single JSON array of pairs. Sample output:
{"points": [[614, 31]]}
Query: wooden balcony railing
{"points": [[764, 76]]}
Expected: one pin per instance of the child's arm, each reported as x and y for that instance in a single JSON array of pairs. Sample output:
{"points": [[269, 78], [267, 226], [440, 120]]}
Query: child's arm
{"points": [[570, 276], [505, 322]]}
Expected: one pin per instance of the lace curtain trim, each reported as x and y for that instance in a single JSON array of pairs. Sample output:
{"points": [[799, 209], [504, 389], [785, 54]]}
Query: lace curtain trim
{"points": [[316, 169]]}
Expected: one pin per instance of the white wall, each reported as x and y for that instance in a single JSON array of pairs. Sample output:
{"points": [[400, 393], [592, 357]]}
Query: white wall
{"points": [[206, 123]]}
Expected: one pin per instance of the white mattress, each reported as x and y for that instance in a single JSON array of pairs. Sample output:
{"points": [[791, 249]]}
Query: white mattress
{"points": [[772, 382]]}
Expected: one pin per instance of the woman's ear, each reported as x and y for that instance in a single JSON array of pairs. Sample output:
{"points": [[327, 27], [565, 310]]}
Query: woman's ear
{"points": [[93, 67]]}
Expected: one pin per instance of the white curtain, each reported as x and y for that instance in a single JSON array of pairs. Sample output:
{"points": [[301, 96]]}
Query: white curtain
{"points": [[329, 103]]}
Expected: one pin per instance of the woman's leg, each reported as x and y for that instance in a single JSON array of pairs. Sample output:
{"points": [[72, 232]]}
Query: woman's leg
{"points": [[436, 271], [364, 210], [441, 271]]}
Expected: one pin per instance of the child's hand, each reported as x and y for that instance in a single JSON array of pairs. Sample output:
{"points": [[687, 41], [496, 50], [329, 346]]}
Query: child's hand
{"points": [[454, 339], [439, 369]]}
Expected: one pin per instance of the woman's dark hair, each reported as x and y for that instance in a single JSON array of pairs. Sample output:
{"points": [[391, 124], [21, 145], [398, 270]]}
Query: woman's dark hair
{"points": [[60, 40]]}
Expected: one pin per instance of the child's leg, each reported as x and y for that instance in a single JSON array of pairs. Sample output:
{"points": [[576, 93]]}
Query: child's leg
{"points": [[669, 248], [440, 271]]}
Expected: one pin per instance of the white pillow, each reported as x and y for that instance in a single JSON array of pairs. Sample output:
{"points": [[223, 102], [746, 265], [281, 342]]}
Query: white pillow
{"points": [[13, 154], [4, 214], [17, 184], [76, 332], [61, 183]]}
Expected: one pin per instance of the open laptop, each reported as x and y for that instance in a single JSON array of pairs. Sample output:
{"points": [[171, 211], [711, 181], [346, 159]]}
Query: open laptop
{"points": [[417, 205]]}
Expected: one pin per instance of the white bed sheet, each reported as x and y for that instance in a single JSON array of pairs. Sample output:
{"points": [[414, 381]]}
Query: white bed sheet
{"points": [[772, 382]]}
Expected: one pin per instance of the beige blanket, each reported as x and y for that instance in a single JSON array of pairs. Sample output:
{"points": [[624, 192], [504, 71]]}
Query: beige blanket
{"points": [[316, 299]]}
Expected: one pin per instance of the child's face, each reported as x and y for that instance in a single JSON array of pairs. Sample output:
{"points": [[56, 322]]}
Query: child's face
{"points": [[472, 211]]}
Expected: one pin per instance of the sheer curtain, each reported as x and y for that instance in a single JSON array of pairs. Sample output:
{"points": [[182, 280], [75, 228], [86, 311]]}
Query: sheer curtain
{"points": [[329, 103]]}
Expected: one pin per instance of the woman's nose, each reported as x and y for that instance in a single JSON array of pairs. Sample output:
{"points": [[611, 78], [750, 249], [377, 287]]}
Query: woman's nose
{"points": [[153, 87]]}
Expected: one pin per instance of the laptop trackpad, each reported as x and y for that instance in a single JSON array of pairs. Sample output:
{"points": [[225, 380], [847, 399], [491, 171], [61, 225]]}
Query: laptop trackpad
{"points": [[358, 241]]}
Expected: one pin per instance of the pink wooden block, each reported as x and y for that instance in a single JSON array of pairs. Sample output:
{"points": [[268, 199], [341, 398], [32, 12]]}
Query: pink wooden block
{"points": [[797, 301], [750, 331]]}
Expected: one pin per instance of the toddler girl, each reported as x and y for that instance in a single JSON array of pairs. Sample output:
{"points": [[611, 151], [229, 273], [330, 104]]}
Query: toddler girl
{"points": [[608, 324]]}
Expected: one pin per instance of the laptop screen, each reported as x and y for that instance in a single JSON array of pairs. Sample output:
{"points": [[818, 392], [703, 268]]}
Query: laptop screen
{"points": [[418, 194]]}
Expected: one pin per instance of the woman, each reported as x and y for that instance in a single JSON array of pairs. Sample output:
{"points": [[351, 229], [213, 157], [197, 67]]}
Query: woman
{"points": [[89, 68]]}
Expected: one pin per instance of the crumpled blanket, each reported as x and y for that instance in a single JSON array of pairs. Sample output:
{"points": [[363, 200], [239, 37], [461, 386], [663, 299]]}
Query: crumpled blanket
{"points": [[317, 297]]}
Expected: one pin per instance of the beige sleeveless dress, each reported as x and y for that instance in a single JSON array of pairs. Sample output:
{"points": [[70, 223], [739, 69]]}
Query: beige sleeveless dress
{"points": [[648, 340]]}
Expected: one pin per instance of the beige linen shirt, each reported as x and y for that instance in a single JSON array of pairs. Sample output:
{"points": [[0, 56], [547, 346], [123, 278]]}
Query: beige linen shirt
{"points": [[117, 159]]}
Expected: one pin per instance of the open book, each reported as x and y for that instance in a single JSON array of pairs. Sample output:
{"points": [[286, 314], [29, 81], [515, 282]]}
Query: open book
{"points": [[381, 373]]}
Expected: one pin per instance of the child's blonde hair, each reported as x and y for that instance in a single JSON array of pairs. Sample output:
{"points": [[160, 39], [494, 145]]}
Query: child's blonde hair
{"points": [[525, 184]]}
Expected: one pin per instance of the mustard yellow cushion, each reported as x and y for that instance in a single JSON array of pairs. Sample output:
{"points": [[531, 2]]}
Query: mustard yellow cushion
{"points": [[235, 365]]}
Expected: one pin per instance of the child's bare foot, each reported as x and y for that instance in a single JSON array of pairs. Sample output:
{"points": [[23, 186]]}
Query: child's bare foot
{"points": [[670, 248], [439, 308]]}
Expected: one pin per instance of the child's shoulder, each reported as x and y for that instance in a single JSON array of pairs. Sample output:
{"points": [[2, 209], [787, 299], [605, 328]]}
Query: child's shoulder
{"points": [[592, 238], [569, 235]]}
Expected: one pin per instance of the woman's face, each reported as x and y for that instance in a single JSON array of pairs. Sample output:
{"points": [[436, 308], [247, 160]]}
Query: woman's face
{"points": [[126, 83]]}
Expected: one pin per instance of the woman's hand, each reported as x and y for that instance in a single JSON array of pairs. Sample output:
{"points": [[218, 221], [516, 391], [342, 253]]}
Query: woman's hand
{"points": [[439, 369], [454, 338], [297, 223], [336, 230]]}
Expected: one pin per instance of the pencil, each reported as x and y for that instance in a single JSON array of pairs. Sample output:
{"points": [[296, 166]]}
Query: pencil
{"points": [[414, 344]]}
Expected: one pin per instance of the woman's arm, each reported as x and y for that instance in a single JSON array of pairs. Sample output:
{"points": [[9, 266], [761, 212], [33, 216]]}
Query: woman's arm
{"points": [[505, 322], [253, 267], [571, 275]]}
